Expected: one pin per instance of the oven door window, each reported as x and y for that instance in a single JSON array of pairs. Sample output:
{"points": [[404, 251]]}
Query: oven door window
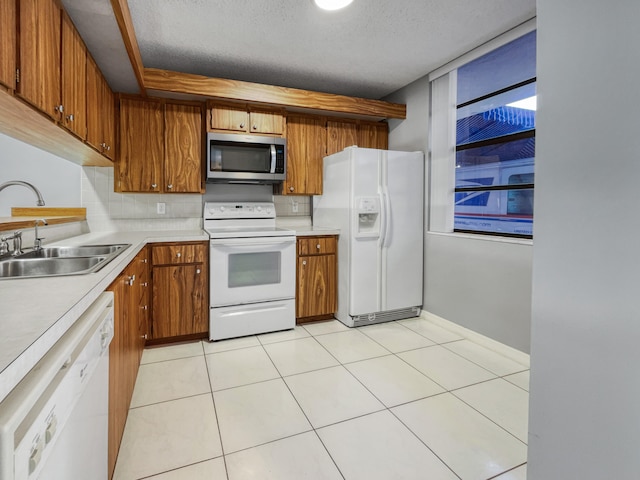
{"points": [[254, 269]]}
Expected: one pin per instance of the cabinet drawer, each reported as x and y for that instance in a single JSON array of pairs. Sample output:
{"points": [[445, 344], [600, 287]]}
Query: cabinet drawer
{"points": [[178, 253], [316, 245]]}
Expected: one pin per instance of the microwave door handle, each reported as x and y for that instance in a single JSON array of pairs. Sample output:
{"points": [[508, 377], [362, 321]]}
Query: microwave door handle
{"points": [[273, 159]]}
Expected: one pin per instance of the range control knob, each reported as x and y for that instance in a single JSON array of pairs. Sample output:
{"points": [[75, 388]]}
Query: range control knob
{"points": [[222, 209], [259, 209]]}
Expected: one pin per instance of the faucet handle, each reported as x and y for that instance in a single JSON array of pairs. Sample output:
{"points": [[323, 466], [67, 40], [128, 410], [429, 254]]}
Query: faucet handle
{"points": [[17, 243]]}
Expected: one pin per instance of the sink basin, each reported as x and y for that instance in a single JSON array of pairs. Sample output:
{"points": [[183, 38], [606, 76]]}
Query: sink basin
{"points": [[81, 251], [38, 267], [57, 261]]}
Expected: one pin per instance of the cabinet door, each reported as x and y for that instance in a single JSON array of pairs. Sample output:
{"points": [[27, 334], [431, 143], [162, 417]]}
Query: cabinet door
{"points": [[229, 118], [306, 144], [341, 135], [373, 135], [8, 45], [74, 79], [108, 118], [95, 136], [316, 293], [183, 149], [178, 306], [266, 122], [141, 146], [40, 55]]}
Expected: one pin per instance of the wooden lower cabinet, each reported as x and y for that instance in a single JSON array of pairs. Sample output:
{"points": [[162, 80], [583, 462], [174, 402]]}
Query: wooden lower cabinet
{"points": [[131, 300], [316, 291], [180, 285]]}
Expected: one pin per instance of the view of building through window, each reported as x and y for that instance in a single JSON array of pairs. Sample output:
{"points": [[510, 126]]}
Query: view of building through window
{"points": [[495, 141]]}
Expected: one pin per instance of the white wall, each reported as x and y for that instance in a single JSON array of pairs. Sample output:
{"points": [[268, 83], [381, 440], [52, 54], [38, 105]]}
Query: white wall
{"points": [[585, 393], [480, 284], [57, 179]]}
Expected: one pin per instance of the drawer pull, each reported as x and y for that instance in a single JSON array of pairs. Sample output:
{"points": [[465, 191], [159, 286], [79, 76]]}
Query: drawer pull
{"points": [[179, 254], [304, 262], [318, 246]]}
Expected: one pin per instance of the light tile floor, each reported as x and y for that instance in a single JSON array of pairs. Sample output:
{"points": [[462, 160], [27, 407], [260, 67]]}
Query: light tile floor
{"points": [[401, 400]]}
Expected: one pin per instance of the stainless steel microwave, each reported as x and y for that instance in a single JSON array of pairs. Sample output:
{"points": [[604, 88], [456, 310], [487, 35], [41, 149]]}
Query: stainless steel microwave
{"points": [[245, 158]]}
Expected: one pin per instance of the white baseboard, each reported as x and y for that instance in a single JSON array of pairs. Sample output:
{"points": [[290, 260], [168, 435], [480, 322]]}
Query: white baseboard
{"points": [[501, 348]]}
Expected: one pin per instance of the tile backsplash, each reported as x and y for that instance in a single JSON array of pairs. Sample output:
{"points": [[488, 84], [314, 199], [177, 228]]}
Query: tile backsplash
{"points": [[108, 210]]}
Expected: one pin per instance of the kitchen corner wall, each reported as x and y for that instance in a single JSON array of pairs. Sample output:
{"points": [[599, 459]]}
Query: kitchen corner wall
{"points": [[108, 210]]}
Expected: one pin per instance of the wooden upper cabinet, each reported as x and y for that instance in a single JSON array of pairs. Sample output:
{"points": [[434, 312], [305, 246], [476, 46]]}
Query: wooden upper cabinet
{"points": [[39, 78], [229, 118], [100, 111], [74, 79], [140, 163], [8, 39], [245, 119], [341, 135], [160, 147], [306, 146], [266, 122], [183, 165], [373, 135]]}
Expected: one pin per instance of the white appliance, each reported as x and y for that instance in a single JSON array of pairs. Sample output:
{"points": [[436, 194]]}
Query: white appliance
{"points": [[53, 425], [376, 199], [252, 266]]}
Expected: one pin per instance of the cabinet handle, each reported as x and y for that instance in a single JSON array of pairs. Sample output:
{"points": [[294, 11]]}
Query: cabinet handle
{"points": [[145, 336], [108, 147], [104, 146], [178, 254], [154, 185], [198, 271], [291, 189], [144, 285], [318, 246], [255, 127], [144, 260], [170, 186], [242, 125], [131, 280], [304, 262], [59, 108], [70, 117]]}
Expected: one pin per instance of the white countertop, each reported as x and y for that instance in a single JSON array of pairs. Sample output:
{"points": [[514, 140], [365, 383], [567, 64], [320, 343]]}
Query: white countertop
{"points": [[35, 313], [303, 227]]}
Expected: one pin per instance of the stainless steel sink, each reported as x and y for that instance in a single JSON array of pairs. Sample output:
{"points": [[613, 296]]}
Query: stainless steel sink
{"points": [[58, 261], [81, 251]]}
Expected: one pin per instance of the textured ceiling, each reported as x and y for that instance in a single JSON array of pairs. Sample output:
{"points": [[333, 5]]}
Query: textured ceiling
{"points": [[369, 49]]}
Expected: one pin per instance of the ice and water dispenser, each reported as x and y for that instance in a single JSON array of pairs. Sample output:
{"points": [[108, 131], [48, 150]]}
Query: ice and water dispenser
{"points": [[368, 217]]}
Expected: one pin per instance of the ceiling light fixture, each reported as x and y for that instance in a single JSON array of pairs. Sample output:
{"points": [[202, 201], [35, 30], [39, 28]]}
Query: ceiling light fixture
{"points": [[332, 4]]}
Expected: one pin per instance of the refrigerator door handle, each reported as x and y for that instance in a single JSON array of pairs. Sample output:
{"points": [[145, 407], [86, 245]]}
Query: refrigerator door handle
{"points": [[383, 219], [387, 217]]}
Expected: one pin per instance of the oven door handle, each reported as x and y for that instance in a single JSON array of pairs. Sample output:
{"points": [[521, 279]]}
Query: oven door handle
{"points": [[252, 242]]}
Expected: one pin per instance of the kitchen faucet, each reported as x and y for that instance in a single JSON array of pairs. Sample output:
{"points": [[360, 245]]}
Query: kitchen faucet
{"points": [[17, 243], [37, 243], [40, 202]]}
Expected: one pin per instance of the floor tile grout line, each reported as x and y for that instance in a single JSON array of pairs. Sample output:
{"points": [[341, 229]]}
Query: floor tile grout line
{"points": [[169, 400], [179, 468], [425, 444], [489, 418], [506, 471], [473, 361], [215, 410]]}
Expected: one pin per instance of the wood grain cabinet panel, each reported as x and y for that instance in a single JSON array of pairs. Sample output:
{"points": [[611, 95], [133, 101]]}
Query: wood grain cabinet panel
{"points": [[183, 162], [140, 164], [373, 135], [316, 290], [39, 80], [74, 79], [180, 285], [160, 147], [227, 118], [266, 122], [8, 39], [341, 135], [125, 349], [306, 147], [100, 111]]}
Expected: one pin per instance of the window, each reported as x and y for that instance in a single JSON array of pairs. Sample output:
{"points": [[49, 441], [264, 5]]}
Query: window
{"points": [[495, 141]]}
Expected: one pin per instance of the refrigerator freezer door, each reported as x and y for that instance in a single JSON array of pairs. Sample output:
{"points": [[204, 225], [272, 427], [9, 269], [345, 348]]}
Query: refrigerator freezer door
{"points": [[365, 261], [402, 251]]}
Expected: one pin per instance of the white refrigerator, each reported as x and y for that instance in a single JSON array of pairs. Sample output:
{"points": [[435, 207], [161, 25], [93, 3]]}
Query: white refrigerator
{"points": [[376, 199]]}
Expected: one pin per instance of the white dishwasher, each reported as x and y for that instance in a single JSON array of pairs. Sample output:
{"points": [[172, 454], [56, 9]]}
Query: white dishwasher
{"points": [[53, 425]]}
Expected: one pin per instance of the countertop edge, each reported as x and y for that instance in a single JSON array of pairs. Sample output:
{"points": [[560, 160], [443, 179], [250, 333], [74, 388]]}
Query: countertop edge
{"points": [[16, 370]]}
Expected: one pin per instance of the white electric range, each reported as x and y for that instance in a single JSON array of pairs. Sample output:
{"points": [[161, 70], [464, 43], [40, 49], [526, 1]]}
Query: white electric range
{"points": [[252, 265]]}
